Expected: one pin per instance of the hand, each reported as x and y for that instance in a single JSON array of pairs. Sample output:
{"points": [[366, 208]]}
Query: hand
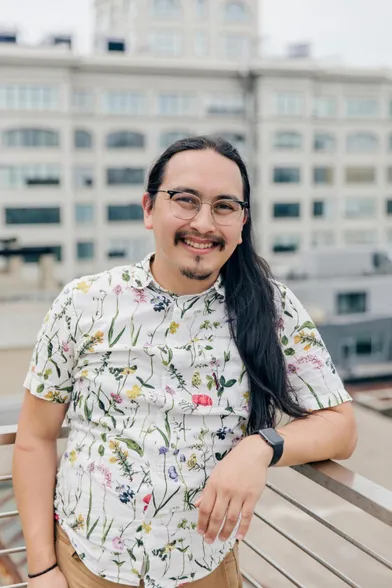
{"points": [[233, 490], [53, 579]]}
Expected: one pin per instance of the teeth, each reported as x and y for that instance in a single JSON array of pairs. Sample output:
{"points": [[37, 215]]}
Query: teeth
{"points": [[199, 245]]}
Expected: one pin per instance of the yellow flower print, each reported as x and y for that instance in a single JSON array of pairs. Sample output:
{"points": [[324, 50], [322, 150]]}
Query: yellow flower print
{"points": [[196, 379], [168, 548], [243, 428], [79, 522], [113, 444], [307, 347], [98, 336], [84, 373], [134, 392], [83, 287], [192, 461], [146, 528], [173, 328], [297, 338], [128, 371], [73, 456], [246, 396]]}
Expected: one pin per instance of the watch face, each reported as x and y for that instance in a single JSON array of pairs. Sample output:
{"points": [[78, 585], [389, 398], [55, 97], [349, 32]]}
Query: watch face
{"points": [[272, 436]]}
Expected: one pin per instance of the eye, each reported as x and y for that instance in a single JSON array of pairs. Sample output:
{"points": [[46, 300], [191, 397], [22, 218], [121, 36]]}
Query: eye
{"points": [[226, 206]]}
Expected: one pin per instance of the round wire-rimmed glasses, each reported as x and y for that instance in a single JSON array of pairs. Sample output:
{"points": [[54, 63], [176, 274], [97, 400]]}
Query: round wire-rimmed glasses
{"points": [[225, 211]]}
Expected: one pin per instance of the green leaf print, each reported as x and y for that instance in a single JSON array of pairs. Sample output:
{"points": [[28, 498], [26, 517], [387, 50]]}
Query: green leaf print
{"points": [[101, 450], [106, 533], [230, 383], [40, 388], [306, 325], [112, 343], [87, 411], [56, 366], [289, 351], [92, 528], [136, 337], [131, 444], [286, 312], [144, 383], [284, 340]]}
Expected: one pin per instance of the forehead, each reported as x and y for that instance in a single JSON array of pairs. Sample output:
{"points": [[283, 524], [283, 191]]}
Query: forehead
{"points": [[205, 171]]}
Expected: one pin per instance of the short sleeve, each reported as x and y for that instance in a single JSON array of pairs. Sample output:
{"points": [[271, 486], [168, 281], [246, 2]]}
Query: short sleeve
{"points": [[311, 371], [50, 374]]}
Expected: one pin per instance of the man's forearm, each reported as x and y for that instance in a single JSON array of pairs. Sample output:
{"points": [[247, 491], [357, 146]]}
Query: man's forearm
{"points": [[325, 434], [34, 475]]}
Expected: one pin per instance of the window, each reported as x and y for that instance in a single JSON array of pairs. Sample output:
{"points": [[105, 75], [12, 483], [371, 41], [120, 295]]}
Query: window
{"points": [[124, 103], [368, 345], [323, 175], [351, 302], [125, 212], [235, 12], [24, 97], [323, 239], [35, 174], [226, 104], [125, 140], [167, 8], [360, 207], [360, 175], [176, 104], [388, 207], [84, 214], [287, 140], [360, 237], [83, 140], [83, 177], [286, 175], [201, 9], [324, 107], [167, 139], [166, 43], [288, 104], [362, 107], [85, 250], [32, 216], [238, 140], [287, 210], [132, 249], [33, 254], [286, 243], [122, 176], [318, 208], [324, 142], [30, 138], [235, 46], [82, 101], [362, 143], [201, 44]]}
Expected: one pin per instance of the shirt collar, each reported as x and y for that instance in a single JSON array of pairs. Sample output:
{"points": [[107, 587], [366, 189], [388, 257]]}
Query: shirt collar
{"points": [[141, 277]]}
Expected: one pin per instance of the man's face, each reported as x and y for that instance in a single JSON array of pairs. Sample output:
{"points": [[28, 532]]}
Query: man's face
{"points": [[183, 247]]}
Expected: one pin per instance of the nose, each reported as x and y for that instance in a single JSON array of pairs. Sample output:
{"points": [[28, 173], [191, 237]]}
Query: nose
{"points": [[203, 222]]}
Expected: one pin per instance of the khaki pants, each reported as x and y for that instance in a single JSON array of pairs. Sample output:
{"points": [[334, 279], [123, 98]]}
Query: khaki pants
{"points": [[227, 575]]}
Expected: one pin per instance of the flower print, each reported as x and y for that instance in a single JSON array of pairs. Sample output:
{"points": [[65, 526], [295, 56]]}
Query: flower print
{"points": [[73, 456], [176, 452], [280, 324], [116, 397], [173, 473], [79, 523], [146, 528], [182, 458], [214, 362], [221, 433], [173, 328], [91, 341], [125, 493], [291, 368], [134, 392], [91, 467], [196, 380], [163, 450], [140, 295], [83, 287], [159, 303], [84, 373], [106, 474], [129, 371], [201, 400], [146, 501], [118, 543], [65, 346], [192, 461], [170, 390], [117, 290]]}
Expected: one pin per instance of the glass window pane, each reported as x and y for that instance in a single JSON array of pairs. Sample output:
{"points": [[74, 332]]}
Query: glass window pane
{"points": [[30, 98], [168, 138], [351, 302], [323, 175], [167, 9], [83, 140], [85, 250], [286, 175], [166, 43], [124, 139], [84, 213], [82, 101], [324, 142], [30, 138], [83, 177], [360, 207], [32, 216], [286, 210], [124, 212], [235, 11], [288, 104], [362, 143], [360, 175], [226, 104], [325, 107], [362, 107], [124, 103], [19, 176], [124, 176], [286, 243], [287, 140]]}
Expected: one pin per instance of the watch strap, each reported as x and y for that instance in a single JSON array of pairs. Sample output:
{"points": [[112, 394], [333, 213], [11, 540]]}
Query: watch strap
{"points": [[277, 444]]}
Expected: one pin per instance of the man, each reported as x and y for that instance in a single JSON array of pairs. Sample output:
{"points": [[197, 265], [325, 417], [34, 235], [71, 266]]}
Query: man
{"points": [[173, 372]]}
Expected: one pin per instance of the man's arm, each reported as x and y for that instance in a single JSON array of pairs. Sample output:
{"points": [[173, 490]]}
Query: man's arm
{"points": [[237, 482], [34, 475]]}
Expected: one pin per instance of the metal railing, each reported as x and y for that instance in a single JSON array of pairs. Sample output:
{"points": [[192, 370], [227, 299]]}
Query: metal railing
{"points": [[356, 490]]}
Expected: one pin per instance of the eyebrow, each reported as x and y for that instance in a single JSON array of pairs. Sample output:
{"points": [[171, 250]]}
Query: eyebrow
{"points": [[197, 193]]}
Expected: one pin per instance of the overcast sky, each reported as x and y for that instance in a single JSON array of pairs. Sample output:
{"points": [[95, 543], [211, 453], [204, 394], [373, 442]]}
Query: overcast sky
{"points": [[356, 32]]}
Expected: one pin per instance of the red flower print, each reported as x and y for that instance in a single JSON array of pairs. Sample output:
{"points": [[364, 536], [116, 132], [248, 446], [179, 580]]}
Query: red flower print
{"points": [[146, 500], [201, 400]]}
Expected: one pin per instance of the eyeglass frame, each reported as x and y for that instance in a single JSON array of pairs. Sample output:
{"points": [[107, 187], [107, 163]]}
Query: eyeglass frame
{"points": [[243, 204]]}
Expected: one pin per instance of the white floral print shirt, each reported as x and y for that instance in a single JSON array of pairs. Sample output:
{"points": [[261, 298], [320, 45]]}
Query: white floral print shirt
{"points": [[157, 395]]}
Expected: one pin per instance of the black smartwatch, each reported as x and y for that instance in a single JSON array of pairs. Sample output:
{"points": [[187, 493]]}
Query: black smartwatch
{"points": [[275, 441]]}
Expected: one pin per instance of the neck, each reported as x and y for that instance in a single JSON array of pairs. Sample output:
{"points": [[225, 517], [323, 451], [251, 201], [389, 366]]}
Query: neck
{"points": [[172, 280]]}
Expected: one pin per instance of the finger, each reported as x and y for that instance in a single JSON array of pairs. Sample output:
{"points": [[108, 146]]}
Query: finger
{"points": [[217, 518], [232, 516], [246, 517], [207, 503]]}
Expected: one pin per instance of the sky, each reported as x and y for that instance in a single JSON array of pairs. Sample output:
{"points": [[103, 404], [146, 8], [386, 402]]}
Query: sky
{"points": [[355, 32]]}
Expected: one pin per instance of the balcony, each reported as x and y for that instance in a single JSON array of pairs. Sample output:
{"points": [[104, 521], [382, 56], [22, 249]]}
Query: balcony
{"points": [[316, 526]]}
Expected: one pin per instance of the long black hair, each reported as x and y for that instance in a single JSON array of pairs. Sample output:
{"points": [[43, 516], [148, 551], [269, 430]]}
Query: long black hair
{"points": [[250, 301]]}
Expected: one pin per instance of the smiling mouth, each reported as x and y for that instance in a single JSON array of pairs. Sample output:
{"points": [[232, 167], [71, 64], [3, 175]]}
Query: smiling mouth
{"points": [[207, 245]]}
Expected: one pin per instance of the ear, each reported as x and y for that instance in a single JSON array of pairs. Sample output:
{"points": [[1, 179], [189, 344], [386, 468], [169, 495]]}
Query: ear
{"points": [[147, 205]]}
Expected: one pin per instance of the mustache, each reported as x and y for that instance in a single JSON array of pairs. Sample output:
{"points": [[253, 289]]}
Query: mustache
{"points": [[181, 235]]}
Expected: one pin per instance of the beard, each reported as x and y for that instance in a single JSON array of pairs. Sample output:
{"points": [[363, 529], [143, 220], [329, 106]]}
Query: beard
{"points": [[194, 274]]}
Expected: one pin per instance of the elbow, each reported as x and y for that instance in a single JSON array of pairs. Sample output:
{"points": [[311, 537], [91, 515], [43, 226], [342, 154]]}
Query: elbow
{"points": [[347, 443]]}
